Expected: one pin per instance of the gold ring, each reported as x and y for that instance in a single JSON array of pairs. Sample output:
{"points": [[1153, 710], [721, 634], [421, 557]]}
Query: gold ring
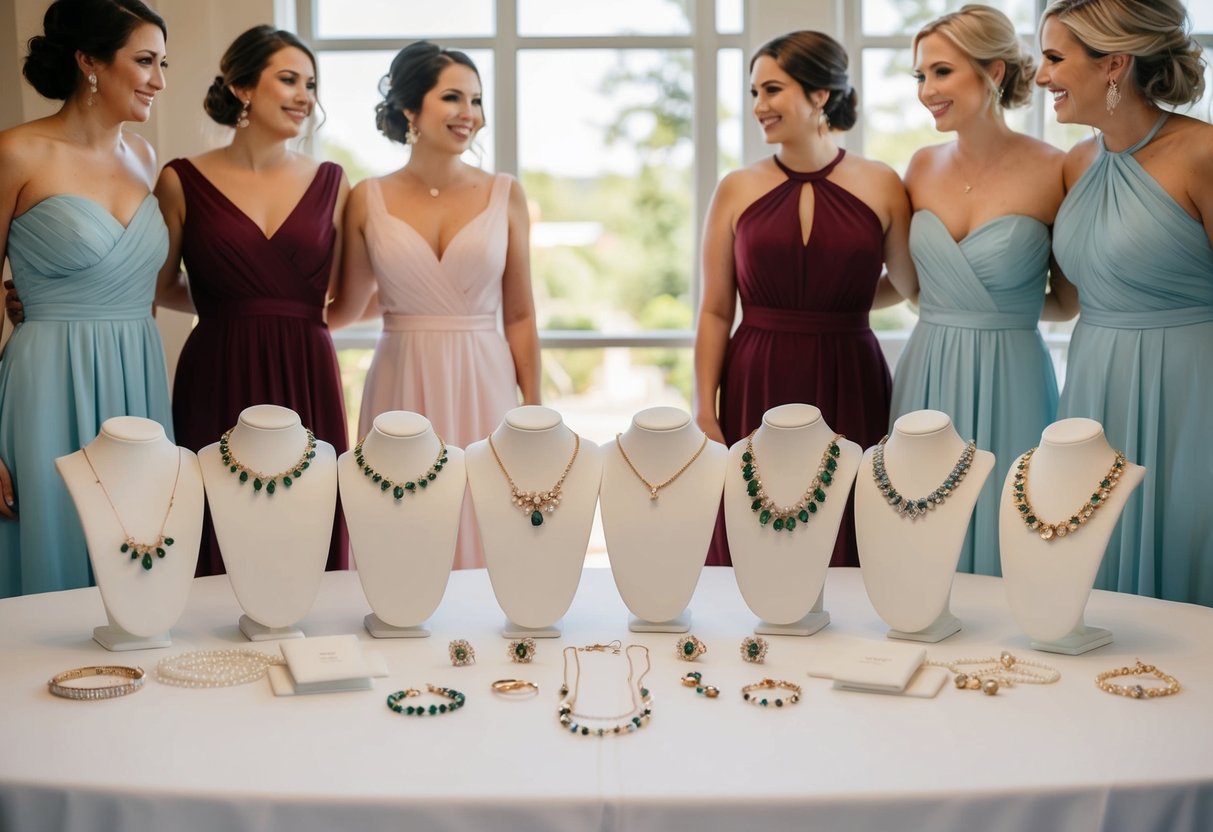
{"points": [[508, 686]]}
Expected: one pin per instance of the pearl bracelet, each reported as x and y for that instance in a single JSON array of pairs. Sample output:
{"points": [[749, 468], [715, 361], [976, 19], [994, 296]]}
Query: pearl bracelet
{"points": [[134, 675], [215, 668], [771, 684], [1137, 691]]}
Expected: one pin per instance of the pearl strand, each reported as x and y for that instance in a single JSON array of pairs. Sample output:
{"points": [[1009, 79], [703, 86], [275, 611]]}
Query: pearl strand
{"points": [[1005, 671], [215, 668]]}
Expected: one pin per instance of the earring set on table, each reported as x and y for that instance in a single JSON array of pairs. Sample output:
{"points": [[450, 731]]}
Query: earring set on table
{"points": [[753, 649], [521, 651]]}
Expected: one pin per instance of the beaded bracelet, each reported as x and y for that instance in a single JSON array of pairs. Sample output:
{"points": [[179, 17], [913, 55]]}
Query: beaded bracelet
{"points": [[771, 684], [457, 700], [1137, 691], [133, 675], [215, 668]]}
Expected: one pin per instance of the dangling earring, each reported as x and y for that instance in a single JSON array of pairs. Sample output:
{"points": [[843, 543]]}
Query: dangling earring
{"points": [[412, 135], [242, 121], [1112, 97], [92, 88]]}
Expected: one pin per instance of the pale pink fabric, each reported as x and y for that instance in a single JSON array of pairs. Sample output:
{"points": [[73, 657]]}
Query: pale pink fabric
{"points": [[441, 353]]}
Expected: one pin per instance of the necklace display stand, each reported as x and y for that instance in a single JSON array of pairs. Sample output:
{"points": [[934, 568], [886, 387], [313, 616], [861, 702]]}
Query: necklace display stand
{"points": [[405, 547], [657, 547], [908, 564], [140, 470], [1048, 582], [782, 574], [534, 569], [274, 546]]}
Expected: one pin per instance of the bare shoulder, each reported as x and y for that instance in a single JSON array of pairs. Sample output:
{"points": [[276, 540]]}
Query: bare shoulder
{"points": [[925, 162], [304, 164], [1037, 152], [23, 148], [143, 153], [1078, 159], [1195, 137]]}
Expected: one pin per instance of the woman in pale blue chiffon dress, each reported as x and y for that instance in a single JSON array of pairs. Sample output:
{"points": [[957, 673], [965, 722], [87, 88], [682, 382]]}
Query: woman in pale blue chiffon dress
{"points": [[979, 237], [1134, 234], [85, 240]]}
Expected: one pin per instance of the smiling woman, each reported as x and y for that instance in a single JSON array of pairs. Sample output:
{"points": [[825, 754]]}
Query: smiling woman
{"points": [[257, 228], [84, 240]]}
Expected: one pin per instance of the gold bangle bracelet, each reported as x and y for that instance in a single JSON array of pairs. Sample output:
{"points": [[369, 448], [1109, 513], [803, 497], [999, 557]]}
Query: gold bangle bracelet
{"points": [[512, 687], [1137, 691], [134, 675], [771, 684]]}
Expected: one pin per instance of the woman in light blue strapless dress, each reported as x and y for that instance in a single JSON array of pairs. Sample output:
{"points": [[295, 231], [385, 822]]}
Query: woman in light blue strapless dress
{"points": [[980, 242], [1134, 234], [85, 240]]}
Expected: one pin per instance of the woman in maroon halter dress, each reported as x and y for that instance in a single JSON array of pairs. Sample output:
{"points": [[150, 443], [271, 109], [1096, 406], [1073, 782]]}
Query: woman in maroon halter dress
{"points": [[257, 226], [802, 237]]}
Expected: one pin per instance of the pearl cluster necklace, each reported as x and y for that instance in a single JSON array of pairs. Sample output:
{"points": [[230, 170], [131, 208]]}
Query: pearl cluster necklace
{"points": [[1003, 672]]}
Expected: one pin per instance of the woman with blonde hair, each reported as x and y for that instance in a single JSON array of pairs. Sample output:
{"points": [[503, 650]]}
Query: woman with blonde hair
{"points": [[983, 206], [1135, 234]]}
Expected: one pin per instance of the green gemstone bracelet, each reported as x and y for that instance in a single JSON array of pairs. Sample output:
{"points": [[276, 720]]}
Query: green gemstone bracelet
{"points": [[457, 700], [399, 488], [267, 481]]}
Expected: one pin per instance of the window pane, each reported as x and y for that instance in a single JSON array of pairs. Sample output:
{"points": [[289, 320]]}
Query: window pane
{"points": [[349, 91], [1201, 14], [894, 123], [618, 17], [729, 17], [731, 108], [605, 156], [412, 19], [905, 17]]}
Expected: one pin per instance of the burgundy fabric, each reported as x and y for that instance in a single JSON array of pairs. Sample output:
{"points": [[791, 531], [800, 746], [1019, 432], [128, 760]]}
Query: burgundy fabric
{"points": [[804, 334], [261, 337]]}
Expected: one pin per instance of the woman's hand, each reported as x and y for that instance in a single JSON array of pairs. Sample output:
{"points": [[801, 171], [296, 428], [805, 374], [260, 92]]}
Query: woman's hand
{"points": [[8, 499], [12, 304]]}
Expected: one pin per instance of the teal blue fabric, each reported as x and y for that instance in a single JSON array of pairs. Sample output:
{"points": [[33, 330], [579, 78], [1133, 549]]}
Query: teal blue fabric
{"points": [[1141, 363], [976, 353], [88, 350]]}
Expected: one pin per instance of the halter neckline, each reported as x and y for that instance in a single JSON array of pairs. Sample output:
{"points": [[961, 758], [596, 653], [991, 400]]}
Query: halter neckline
{"points": [[811, 176], [1142, 142]]}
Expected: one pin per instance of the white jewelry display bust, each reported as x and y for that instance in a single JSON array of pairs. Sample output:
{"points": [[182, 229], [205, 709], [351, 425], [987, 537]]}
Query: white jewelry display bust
{"points": [[658, 546], [404, 547], [908, 564], [274, 546], [782, 575], [534, 570], [1048, 581], [138, 469]]}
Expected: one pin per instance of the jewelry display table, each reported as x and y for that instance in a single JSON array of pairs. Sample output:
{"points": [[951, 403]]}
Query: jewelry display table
{"points": [[1062, 756]]}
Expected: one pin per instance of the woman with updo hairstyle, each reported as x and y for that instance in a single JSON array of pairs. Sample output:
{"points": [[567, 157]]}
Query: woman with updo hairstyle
{"points": [[257, 227], [980, 238], [802, 236], [445, 247], [1135, 235], [84, 240]]}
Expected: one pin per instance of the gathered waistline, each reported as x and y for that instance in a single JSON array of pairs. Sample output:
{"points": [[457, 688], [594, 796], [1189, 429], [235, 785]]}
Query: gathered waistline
{"points": [[393, 322], [967, 319], [263, 308], [807, 323], [76, 312], [1153, 319]]}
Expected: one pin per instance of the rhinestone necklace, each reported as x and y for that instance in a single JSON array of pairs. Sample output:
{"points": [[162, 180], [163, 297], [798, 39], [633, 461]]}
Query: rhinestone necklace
{"points": [[654, 488], [140, 551], [399, 488], [786, 517], [1048, 531], [908, 507], [267, 481], [535, 503]]}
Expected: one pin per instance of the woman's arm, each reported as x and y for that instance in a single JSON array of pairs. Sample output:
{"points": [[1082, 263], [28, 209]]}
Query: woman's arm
{"points": [[343, 193], [717, 307], [172, 287], [902, 279], [356, 285], [12, 180], [1061, 303], [518, 300]]}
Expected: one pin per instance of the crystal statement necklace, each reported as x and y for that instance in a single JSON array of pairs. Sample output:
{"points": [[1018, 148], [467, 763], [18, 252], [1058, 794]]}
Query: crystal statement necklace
{"points": [[605, 725], [140, 551], [655, 488], [398, 489], [535, 503], [267, 481], [908, 507], [1049, 531], [786, 517]]}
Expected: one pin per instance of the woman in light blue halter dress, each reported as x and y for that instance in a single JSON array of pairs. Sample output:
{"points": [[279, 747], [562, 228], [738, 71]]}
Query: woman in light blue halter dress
{"points": [[1134, 234], [980, 242], [85, 240]]}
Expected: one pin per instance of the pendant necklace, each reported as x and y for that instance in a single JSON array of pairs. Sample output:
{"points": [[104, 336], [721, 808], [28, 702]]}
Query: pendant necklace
{"points": [[140, 551], [627, 722], [535, 503], [267, 481], [786, 517], [1048, 531], [654, 488], [908, 507], [398, 488]]}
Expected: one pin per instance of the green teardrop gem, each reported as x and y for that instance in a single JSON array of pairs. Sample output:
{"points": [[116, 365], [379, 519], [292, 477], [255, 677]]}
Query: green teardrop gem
{"points": [[147, 560]]}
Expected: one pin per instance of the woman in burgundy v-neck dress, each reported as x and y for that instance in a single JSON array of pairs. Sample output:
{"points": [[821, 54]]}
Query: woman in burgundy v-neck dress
{"points": [[259, 261], [802, 237]]}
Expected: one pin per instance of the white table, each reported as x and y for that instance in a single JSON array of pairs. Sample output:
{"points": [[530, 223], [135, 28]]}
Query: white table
{"points": [[1066, 756]]}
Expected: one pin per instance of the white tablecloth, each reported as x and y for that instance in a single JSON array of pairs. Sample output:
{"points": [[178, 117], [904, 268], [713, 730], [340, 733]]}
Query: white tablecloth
{"points": [[1065, 756]]}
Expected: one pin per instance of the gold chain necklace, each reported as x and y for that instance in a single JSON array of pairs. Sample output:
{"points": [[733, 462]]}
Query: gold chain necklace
{"points": [[1048, 531], [268, 481], [642, 700], [653, 489], [785, 517], [535, 503], [140, 551]]}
